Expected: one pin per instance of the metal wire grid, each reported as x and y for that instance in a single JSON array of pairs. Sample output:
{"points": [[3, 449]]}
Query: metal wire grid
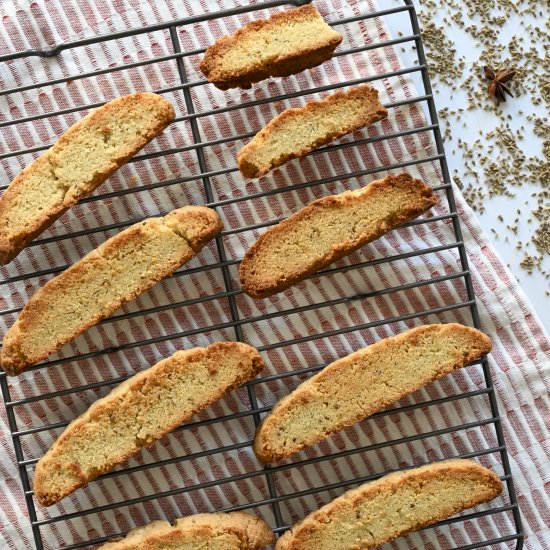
{"points": [[230, 293]]}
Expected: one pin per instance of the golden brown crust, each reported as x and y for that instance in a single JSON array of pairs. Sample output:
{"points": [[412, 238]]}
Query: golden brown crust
{"points": [[140, 411], [376, 376], [336, 115], [287, 55], [232, 531], [116, 272], [329, 229], [28, 207], [394, 505]]}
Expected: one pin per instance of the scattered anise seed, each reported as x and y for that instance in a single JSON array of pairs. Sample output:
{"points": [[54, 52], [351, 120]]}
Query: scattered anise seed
{"points": [[496, 163], [497, 87]]}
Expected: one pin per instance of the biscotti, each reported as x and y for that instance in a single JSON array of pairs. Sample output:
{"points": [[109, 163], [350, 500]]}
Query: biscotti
{"points": [[296, 132], [140, 411], [394, 505], [329, 229], [286, 43], [81, 160], [111, 275], [363, 383], [218, 531]]}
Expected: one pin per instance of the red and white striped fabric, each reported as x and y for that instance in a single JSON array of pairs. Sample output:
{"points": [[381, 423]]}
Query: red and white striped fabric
{"points": [[520, 358]]}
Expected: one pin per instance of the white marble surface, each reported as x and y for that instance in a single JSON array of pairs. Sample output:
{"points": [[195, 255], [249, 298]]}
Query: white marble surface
{"points": [[534, 285]]}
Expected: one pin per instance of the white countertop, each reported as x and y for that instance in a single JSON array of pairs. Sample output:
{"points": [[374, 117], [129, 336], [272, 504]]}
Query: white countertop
{"points": [[535, 285]]}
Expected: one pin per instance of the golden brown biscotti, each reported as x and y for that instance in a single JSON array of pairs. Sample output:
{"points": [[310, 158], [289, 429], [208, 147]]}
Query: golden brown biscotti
{"points": [[394, 505], [81, 160], [140, 411], [286, 43], [116, 272], [329, 229], [364, 382], [217, 531], [296, 132]]}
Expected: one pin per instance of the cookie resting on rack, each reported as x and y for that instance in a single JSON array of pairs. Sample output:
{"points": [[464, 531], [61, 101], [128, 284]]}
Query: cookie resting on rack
{"points": [[363, 383], [116, 272], [394, 505], [296, 132], [80, 161], [329, 229], [217, 531], [140, 411], [287, 43]]}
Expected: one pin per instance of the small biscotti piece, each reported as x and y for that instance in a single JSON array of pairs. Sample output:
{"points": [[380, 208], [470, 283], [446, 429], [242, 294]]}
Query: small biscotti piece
{"points": [[81, 160], [218, 531], [286, 43], [394, 505], [329, 229], [296, 132], [363, 383], [139, 412], [116, 272]]}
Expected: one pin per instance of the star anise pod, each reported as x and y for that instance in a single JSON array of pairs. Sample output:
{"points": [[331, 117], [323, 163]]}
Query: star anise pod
{"points": [[498, 88]]}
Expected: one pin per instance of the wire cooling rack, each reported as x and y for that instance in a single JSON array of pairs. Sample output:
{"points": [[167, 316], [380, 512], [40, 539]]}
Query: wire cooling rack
{"points": [[273, 498]]}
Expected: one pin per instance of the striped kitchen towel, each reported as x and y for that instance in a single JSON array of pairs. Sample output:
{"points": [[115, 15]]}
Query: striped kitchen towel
{"points": [[309, 325]]}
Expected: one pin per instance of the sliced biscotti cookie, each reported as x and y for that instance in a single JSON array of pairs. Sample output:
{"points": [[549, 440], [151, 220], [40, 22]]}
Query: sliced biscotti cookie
{"points": [[81, 160], [363, 383], [111, 275], [329, 229], [140, 411], [298, 131], [286, 43], [394, 505], [218, 531]]}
